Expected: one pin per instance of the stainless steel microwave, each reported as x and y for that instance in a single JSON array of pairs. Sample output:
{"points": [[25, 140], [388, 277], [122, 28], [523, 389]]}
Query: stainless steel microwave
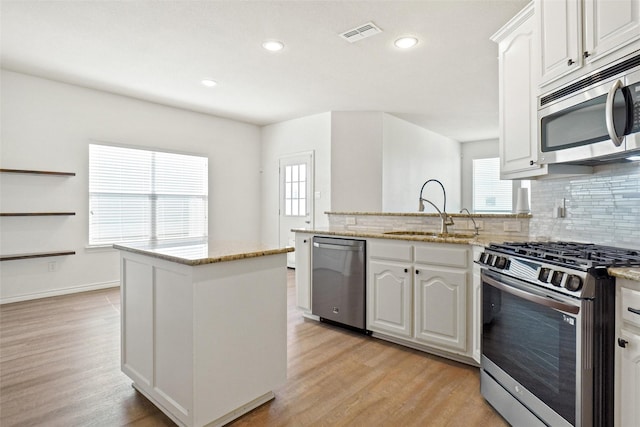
{"points": [[593, 120]]}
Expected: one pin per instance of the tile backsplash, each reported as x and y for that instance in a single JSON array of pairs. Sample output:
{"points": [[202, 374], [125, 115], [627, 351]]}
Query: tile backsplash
{"points": [[602, 208]]}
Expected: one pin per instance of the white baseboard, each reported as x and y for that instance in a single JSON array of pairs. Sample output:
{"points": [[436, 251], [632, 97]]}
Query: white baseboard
{"points": [[63, 291]]}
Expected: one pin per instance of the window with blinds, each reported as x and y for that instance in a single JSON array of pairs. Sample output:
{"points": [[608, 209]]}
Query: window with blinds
{"points": [[490, 194], [143, 195]]}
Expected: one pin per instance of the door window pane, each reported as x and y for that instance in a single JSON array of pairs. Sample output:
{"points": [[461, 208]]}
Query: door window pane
{"points": [[295, 190]]}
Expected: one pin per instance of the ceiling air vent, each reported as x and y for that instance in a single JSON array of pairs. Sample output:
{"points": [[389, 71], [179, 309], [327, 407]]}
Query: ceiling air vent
{"points": [[361, 32]]}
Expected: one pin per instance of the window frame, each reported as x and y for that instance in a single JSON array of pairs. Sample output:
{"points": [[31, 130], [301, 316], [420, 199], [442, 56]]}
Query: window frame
{"points": [[151, 198]]}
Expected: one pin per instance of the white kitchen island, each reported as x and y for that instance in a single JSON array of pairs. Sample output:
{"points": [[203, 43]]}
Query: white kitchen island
{"points": [[204, 328]]}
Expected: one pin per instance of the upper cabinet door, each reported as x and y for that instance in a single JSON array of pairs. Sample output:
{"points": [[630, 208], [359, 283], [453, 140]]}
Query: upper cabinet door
{"points": [[560, 37], [609, 26]]}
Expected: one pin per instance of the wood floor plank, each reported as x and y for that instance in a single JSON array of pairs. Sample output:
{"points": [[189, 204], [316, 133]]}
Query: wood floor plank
{"points": [[60, 366]]}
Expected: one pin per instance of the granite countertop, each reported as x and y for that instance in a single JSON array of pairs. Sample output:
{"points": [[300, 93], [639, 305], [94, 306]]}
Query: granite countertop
{"points": [[219, 251], [631, 273], [432, 214], [481, 240]]}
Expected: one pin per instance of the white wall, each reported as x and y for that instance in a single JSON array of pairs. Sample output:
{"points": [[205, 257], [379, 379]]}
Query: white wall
{"points": [[356, 161], [311, 133], [411, 155], [48, 125], [484, 149]]}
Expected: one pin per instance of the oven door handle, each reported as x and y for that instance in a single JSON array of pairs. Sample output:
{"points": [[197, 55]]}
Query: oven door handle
{"points": [[547, 301]]}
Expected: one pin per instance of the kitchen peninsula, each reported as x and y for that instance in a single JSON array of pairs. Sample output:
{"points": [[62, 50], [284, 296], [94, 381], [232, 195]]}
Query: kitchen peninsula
{"points": [[204, 327]]}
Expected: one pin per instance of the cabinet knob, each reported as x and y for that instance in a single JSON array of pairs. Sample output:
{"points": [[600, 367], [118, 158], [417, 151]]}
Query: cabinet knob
{"points": [[406, 270], [622, 343], [417, 271], [586, 54], [531, 162], [304, 241], [570, 62]]}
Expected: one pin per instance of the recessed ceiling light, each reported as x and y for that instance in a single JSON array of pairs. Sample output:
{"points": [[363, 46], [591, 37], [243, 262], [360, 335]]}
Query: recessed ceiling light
{"points": [[273, 45], [209, 82], [406, 42]]}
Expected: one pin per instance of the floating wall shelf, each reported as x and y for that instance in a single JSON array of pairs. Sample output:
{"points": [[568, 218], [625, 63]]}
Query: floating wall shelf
{"points": [[34, 172], [31, 214], [35, 255], [37, 213]]}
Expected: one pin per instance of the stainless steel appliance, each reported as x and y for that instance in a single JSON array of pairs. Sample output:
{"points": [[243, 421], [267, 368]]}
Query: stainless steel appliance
{"points": [[595, 119], [339, 281], [548, 331]]}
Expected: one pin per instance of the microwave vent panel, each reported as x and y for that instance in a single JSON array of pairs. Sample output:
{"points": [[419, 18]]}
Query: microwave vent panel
{"points": [[361, 32]]}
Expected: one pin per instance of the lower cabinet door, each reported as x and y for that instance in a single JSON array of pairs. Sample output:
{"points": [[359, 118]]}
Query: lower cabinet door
{"points": [[440, 307], [390, 299], [629, 394]]}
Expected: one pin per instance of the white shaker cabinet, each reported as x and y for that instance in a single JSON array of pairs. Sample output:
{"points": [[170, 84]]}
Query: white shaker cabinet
{"points": [[303, 271], [390, 301], [628, 353], [419, 294], [441, 306], [390, 288], [442, 281], [578, 36], [518, 83], [609, 26], [560, 37]]}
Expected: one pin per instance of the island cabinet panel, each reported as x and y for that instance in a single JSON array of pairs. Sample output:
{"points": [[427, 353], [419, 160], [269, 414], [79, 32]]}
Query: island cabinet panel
{"points": [[137, 321], [240, 334], [173, 338], [205, 343]]}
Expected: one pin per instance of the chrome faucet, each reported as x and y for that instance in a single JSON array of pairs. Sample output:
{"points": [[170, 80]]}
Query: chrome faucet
{"points": [[445, 219], [475, 226]]}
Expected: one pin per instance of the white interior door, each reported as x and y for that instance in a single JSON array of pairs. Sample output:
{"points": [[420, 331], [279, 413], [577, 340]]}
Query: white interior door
{"points": [[296, 198]]}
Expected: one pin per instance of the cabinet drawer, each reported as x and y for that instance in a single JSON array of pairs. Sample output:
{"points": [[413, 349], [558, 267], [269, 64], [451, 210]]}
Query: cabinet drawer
{"points": [[390, 251], [442, 255], [631, 306]]}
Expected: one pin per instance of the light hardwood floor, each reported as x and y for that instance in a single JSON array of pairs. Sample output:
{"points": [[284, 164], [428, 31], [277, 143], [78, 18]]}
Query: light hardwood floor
{"points": [[60, 366]]}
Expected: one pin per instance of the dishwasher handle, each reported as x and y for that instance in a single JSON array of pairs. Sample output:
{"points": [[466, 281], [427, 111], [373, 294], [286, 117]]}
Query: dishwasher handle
{"points": [[349, 248]]}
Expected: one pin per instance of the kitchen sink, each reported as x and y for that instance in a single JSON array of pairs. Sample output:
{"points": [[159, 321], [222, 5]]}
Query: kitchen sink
{"points": [[431, 234]]}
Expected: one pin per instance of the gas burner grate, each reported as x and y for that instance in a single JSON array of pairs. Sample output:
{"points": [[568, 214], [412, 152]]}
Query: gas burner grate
{"points": [[583, 255]]}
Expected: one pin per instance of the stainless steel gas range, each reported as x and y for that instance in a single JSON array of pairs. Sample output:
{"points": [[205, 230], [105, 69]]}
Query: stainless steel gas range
{"points": [[548, 331]]}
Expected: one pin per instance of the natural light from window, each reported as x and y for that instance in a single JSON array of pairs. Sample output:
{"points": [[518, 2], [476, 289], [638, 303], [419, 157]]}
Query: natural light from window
{"points": [[295, 184], [142, 195], [490, 194]]}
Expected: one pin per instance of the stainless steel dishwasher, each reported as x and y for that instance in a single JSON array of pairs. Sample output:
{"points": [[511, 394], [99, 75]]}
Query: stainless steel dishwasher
{"points": [[339, 281]]}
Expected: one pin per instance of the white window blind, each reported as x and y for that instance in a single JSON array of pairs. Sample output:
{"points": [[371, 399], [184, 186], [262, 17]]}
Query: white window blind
{"points": [[142, 195], [490, 194]]}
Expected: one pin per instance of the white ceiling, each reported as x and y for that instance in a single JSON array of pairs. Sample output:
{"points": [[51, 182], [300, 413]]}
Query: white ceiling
{"points": [[160, 50]]}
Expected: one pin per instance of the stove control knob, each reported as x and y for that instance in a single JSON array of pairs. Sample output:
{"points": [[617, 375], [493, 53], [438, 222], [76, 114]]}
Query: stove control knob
{"points": [[574, 283], [543, 276], [501, 262], [483, 258], [556, 278]]}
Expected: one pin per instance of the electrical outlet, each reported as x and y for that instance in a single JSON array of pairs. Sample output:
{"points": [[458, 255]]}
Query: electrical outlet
{"points": [[51, 266], [350, 220]]}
